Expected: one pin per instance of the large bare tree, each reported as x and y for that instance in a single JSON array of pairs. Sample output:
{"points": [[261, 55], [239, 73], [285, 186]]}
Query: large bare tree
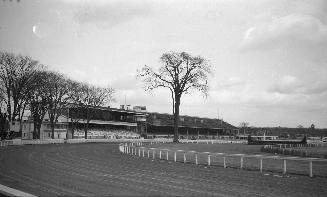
{"points": [[17, 77], [93, 97], [74, 109], [38, 102], [180, 73], [58, 89]]}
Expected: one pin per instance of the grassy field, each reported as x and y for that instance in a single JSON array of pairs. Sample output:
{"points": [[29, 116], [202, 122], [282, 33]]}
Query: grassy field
{"points": [[99, 169], [249, 163]]}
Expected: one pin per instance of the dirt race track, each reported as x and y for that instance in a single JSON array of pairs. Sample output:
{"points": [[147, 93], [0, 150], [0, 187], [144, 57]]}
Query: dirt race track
{"points": [[101, 170]]}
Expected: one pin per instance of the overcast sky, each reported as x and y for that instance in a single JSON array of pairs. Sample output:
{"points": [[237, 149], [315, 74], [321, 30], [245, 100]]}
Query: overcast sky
{"points": [[269, 57]]}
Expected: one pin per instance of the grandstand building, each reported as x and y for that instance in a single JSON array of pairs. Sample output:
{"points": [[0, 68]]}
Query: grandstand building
{"points": [[104, 122], [190, 127]]}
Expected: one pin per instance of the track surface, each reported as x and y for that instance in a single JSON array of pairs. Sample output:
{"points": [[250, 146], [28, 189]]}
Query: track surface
{"points": [[101, 170]]}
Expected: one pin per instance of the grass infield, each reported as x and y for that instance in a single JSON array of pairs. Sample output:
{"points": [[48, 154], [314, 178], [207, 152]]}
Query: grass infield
{"points": [[295, 167]]}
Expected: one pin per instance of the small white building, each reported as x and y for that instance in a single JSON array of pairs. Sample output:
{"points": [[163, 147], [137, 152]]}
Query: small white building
{"points": [[60, 130]]}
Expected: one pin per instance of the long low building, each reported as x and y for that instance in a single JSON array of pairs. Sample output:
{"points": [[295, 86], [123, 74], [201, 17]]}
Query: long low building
{"points": [[190, 127]]}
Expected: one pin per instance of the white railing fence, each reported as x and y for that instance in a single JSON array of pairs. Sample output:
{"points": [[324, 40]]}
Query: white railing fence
{"points": [[214, 141], [262, 163], [295, 149], [74, 141]]}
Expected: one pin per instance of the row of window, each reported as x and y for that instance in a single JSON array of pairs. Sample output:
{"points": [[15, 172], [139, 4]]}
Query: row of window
{"points": [[195, 120], [181, 119], [57, 126]]}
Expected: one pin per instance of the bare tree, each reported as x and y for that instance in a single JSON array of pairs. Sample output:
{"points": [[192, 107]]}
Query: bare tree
{"points": [[57, 87], [180, 73], [39, 99], [16, 75], [74, 109], [92, 98], [244, 125]]}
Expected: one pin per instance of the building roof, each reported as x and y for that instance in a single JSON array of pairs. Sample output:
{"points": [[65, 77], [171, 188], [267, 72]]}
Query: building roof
{"points": [[128, 111]]}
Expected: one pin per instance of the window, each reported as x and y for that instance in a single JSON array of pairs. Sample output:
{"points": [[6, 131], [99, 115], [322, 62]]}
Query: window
{"points": [[13, 123], [182, 119], [49, 135], [202, 121]]}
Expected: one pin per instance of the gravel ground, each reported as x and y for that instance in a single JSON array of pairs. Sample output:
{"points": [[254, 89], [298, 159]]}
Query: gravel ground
{"points": [[101, 170]]}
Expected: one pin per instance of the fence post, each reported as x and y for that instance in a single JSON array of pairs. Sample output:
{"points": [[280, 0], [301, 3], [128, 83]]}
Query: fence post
{"points": [[284, 170], [175, 156], [184, 157], [241, 162], [159, 154], [225, 162], [261, 165], [209, 159], [196, 158], [143, 152], [310, 169], [153, 153], [139, 152], [167, 155], [148, 153]]}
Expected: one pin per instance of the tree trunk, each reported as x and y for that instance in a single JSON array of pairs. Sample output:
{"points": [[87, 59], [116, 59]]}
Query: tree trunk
{"points": [[39, 132], [9, 104], [176, 118], [34, 131], [73, 133], [85, 129], [52, 129]]}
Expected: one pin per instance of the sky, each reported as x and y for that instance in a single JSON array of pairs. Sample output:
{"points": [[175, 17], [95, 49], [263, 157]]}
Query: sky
{"points": [[269, 57]]}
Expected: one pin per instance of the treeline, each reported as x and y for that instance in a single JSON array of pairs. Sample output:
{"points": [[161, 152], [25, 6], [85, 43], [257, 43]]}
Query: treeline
{"points": [[26, 84]]}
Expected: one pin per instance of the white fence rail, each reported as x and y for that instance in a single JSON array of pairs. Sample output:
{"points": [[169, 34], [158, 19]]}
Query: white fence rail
{"points": [[75, 141], [228, 160], [214, 141]]}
